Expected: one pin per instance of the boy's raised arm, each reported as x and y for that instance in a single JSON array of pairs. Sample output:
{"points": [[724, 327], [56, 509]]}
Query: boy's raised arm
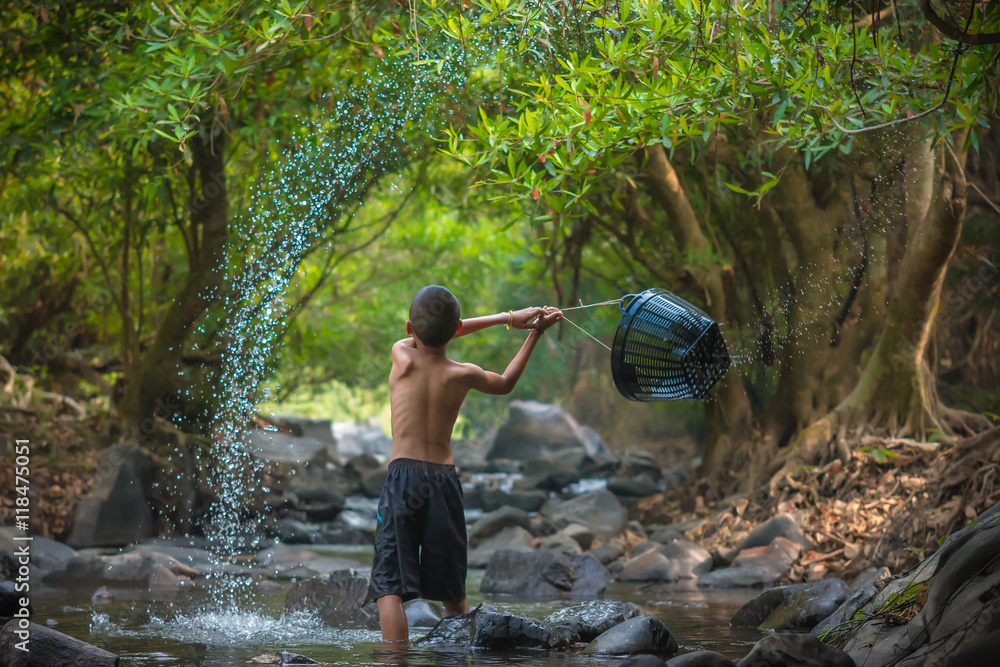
{"points": [[518, 319], [497, 384]]}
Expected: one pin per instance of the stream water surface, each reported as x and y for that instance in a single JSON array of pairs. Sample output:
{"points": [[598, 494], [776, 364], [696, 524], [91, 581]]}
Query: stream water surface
{"points": [[179, 627]]}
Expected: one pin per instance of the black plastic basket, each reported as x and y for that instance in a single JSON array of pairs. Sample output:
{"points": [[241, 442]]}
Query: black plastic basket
{"points": [[666, 349]]}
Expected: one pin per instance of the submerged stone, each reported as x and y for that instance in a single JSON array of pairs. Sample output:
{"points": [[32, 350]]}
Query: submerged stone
{"points": [[797, 650], [590, 619], [499, 628], [641, 634]]}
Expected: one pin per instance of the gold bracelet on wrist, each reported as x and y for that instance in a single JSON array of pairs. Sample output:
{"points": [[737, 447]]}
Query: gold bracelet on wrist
{"points": [[511, 322]]}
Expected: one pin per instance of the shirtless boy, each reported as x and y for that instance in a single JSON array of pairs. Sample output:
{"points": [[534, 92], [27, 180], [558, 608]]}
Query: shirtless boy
{"points": [[420, 541]]}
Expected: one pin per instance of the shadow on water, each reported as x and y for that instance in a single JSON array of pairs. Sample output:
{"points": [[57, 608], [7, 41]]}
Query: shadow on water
{"points": [[182, 627]]}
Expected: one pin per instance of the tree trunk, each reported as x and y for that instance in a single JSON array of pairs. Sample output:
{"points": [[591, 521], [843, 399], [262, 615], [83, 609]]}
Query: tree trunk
{"points": [[896, 389], [152, 382], [727, 413]]}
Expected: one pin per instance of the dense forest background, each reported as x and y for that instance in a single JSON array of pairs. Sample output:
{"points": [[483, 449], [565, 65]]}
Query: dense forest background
{"points": [[820, 177]]}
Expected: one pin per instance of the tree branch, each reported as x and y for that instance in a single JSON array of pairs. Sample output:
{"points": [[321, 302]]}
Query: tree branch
{"points": [[955, 33]]}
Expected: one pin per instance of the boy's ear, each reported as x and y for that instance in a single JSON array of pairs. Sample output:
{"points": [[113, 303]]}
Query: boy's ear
{"points": [[409, 328], [458, 330]]}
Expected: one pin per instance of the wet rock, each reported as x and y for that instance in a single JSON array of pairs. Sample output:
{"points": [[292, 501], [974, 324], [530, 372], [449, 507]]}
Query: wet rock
{"points": [[701, 659], [782, 525], [641, 634], [583, 535], [857, 600], [115, 512], [492, 523], [758, 566], [530, 574], [962, 595], [512, 537], [875, 644], [591, 577], [608, 553], [599, 511], [10, 599], [639, 486], [560, 542], [318, 491], [528, 501], [795, 608], [50, 648], [499, 628], [590, 619], [451, 630], [795, 650], [537, 430], [616, 567], [338, 598], [45, 554], [423, 614]]}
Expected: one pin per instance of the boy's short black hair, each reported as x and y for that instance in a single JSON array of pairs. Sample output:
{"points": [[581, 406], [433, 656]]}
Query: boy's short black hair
{"points": [[434, 315]]}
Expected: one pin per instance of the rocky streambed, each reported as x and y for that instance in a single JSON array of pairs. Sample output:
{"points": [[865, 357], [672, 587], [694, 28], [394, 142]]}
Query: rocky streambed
{"points": [[562, 573]]}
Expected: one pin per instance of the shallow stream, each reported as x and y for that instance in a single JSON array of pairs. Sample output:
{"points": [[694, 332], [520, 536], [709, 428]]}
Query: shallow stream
{"points": [[177, 627]]}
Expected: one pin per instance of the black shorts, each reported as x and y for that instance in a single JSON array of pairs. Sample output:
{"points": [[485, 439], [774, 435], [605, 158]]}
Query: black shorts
{"points": [[420, 541]]}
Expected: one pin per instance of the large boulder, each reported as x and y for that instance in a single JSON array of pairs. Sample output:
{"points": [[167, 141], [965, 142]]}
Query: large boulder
{"points": [[45, 647], [512, 537], [338, 598], [795, 608], [115, 511], [538, 430], [782, 525], [590, 619], [541, 574], [498, 628], [791, 650], [493, 522], [641, 634], [527, 501], [599, 510]]}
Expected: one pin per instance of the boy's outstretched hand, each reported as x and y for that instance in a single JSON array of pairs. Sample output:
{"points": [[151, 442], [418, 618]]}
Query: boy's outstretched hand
{"points": [[547, 317], [524, 317]]}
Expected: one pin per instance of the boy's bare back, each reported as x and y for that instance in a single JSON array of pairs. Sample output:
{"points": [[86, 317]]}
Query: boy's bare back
{"points": [[427, 389]]}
